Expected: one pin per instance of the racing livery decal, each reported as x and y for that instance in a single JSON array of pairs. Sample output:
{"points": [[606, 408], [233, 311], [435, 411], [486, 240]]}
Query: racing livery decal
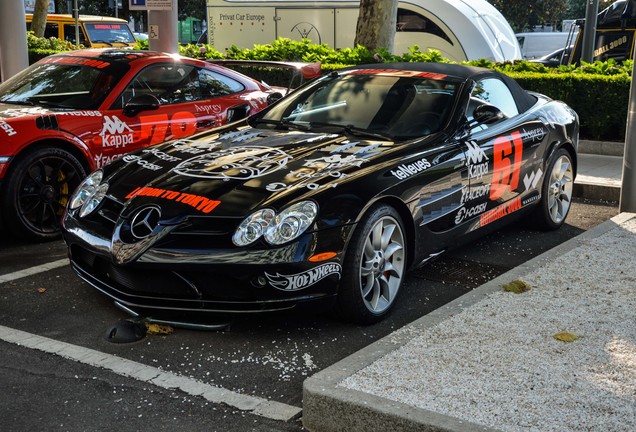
{"points": [[304, 279], [406, 170], [234, 163], [200, 203], [6, 127], [476, 160], [500, 211], [115, 133], [507, 164]]}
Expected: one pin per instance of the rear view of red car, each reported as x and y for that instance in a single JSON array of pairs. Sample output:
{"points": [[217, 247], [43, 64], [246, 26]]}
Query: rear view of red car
{"points": [[71, 113]]}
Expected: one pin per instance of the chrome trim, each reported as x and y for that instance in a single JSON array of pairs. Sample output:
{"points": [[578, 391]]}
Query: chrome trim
{"points": [[5, 159]]}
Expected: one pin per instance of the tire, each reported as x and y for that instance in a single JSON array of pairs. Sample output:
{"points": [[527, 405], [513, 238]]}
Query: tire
{"points": [[39, 184], [556, 192], [374, 267]]}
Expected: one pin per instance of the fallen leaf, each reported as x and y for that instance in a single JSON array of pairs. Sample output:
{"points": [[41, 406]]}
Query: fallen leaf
{"points": [[41, 290], [156, 329], [516, 287], [566, 337]]}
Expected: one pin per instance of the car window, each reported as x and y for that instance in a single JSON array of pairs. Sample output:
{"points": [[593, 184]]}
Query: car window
{"points": [[169, 83], [495, 92], [69, 34], [173, 84], [109, 33], [214, 84]]}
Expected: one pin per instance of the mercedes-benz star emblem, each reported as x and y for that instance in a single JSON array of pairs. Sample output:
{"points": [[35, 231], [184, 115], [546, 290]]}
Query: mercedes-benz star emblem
{"points": [[144, 222]]}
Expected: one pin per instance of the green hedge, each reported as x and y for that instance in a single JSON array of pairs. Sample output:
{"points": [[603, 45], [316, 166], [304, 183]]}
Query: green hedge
{"points": [[601, 101], [598, 92]]}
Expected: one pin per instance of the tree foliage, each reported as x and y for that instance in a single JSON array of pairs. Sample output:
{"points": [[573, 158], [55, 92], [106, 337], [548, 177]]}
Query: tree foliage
{"points": [[525, 14]]}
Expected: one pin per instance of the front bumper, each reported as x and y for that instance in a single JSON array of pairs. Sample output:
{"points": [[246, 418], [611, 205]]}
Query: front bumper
{"points": [[168, 278]]}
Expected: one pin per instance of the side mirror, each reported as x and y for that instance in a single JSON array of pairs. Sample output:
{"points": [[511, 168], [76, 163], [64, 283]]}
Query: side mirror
{"points": [[144, 102], [487, 114]]}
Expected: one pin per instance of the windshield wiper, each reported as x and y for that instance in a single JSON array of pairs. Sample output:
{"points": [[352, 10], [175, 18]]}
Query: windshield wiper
{"points": [[102, 41], [355, 131], [16, 102], [284, 122]]}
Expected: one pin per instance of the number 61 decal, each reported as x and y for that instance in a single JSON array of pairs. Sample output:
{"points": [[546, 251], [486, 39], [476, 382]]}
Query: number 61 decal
{"points": [[507, 152]]}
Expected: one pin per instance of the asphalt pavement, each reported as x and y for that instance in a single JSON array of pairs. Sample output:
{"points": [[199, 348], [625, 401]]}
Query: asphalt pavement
{"points": [[82, 376], [560, 355]]}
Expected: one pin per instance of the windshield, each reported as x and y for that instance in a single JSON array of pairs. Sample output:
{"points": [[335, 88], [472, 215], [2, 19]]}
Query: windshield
{"points": [[394, 104], [54, 83], [109, 33]]}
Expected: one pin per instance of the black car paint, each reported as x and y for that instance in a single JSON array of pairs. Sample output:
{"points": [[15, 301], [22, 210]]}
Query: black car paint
{"points": [[425, 179]]}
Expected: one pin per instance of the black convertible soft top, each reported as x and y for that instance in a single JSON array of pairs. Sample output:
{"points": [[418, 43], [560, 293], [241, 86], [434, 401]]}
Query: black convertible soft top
{"points": [[523, 99]]}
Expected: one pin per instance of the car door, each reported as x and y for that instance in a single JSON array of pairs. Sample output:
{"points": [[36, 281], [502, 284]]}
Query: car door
{"points": [[190, 100], [495, 154]]}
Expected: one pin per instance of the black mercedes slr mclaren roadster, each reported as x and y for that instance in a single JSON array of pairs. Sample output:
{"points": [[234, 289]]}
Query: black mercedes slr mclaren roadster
{"points": [[329, 195]]}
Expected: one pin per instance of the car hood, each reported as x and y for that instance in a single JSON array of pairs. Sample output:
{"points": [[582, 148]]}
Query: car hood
{"points": [[233, 173]]}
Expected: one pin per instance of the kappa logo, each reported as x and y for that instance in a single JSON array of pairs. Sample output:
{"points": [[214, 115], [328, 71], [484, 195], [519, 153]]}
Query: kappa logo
{"points": [[531, 181], [474, 153], [304, 279], [115, 133]]}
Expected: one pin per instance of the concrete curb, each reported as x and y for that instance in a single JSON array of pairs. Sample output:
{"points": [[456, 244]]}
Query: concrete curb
{"points": [[329, 407], [596, 192], [606, 148]]}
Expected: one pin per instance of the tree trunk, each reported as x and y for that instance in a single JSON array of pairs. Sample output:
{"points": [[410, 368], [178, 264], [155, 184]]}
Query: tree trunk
{"points": [[376, 24], [40, 11]]}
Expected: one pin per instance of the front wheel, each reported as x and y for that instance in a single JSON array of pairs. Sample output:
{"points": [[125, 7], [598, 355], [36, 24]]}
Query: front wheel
{"points": [[374, 267], [39, 185], [556, 191]]}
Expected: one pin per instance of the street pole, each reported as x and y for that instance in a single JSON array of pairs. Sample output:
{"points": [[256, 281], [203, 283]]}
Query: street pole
{"points": [[77, 30], [628, 187], [14, 54], [589, 31], [162, 29]]}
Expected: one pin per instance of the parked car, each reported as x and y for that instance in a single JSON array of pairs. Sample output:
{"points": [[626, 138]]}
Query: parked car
{"points": [[70, 113], [330, 195], [94, 31], [555, 58]]}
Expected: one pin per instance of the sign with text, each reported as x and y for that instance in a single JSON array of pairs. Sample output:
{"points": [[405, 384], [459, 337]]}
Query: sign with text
{"points": [[150, 4]]}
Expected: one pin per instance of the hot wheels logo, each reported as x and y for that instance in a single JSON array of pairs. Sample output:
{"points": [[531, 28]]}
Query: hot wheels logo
{"points": [[304, 279]]}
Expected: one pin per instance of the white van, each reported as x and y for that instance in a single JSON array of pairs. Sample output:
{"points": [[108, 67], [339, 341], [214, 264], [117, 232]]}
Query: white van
{"points": [[537, 44], [459, 29]]}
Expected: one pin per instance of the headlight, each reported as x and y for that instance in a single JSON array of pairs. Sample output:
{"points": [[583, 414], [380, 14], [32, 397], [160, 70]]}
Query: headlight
{"points": [[89, 194], [253, 227], [291, 222], [276, 229]]}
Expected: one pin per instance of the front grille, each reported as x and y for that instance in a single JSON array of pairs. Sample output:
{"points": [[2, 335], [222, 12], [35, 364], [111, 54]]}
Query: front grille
{"points": [[161, 282]]}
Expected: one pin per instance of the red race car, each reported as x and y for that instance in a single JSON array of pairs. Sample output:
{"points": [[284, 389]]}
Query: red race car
{"points": [[71, 113]]}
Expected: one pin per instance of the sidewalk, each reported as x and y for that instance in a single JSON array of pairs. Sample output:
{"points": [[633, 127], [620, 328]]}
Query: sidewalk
{"points": [[489, 360], [598, 177]]}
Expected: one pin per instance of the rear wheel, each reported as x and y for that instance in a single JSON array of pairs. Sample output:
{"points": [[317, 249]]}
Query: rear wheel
{"points": [[556, 191], [374, 267], [37, 189]]}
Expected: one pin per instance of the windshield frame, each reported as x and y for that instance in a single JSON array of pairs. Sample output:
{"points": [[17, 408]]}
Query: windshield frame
{"points": [[373, 104]]}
